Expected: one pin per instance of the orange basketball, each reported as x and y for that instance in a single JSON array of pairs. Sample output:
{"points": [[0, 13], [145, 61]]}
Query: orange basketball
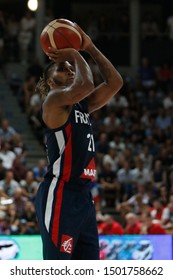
{"points": [[60, 34]]}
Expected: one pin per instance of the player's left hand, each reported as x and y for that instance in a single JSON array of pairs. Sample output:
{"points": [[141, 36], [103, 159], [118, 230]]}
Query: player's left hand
{"points": [[60, 55]]}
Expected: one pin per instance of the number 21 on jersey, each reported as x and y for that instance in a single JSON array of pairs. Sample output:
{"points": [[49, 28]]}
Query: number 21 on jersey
{"points": [[91, 146]]}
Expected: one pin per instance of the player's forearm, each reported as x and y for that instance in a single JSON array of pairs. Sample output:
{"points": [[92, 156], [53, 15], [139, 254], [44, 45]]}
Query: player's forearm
{"points": [[83, 83], [109, 74], [83, 72]]}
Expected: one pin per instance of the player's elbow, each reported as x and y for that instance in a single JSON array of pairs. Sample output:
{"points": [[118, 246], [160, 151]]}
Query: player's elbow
{"points": [[90, 86], [119, 82], [116, 84]]}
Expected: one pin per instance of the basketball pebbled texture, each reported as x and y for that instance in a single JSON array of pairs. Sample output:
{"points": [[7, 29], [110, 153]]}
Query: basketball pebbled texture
{"points": [[60, 34]]}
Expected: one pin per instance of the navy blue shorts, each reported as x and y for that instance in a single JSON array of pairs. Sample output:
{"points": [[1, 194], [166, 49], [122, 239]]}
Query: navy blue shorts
{"points": [[67, 221]]}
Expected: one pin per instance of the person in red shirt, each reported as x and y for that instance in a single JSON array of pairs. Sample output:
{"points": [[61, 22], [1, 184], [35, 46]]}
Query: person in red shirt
{"points": [[132, 224], [149, 227], [157, 209], [109, 226]]}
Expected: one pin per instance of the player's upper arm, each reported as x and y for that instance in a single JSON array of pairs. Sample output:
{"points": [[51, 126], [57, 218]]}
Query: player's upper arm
{"points": [[102, 94]]}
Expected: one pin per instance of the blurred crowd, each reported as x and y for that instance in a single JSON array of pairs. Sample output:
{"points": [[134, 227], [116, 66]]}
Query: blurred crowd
{"points": [[133, 191], [17, 36], [18, 183], [134, 150], [17, 33]]}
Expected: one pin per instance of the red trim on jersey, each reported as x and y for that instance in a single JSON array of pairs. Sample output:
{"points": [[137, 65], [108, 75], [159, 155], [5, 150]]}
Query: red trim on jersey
{"points": [[57, 210], [59, 192], [90, 171]]}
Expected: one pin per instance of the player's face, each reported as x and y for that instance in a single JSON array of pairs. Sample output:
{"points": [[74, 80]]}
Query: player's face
{"points": [[63, 74]]}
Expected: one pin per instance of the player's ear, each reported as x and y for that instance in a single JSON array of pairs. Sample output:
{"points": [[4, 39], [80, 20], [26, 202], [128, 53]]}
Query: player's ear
{"points": [[50, 82]]}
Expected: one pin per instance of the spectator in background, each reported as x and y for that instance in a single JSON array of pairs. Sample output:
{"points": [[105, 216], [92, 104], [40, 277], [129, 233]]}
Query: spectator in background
{"points": [[111, 122], [140, 200], [141, 174], [26, 35], [158, 176], [151, 102], [154, 147], [29, 185], [125, 179], [40, 170], [28, 222], [164, 195], [146, 157], [112, 158], [118, 143], [149, 226], [19, 200], [13, 219], [19, 148], [167, 214], [168, 100], [7, 132], [157, 209], [19, 169], [8, 185], [109, 186], [163, 119], [109, 226], [147, 73], [125, 155], [133, 225], [7, 155], [118, 102]]}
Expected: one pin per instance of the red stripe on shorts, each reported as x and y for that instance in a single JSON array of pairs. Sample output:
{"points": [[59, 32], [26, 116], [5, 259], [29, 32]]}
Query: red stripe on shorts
{"points": [[59, 192]]}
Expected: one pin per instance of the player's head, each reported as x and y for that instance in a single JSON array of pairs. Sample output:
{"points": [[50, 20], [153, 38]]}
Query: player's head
{"points": [[55, 75]]}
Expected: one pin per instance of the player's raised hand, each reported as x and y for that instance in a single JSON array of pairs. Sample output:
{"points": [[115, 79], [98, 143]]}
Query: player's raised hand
{"points": [[60, 55], [86, 40]]}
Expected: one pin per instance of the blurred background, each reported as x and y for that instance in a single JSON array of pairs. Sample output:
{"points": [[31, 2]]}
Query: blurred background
{"points": [[133, 192]]}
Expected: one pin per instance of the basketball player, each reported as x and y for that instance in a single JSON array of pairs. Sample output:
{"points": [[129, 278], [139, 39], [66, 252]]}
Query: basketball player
{"points": [[64, 205]]}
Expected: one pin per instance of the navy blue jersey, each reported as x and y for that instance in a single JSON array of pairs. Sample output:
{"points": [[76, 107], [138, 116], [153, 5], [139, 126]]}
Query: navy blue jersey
{"points": [[70, 148], [64, 206]]}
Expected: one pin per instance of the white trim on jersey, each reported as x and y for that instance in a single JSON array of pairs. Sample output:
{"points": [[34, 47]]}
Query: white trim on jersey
{"points": [[56, 171], [61, 144], [49, 203]]}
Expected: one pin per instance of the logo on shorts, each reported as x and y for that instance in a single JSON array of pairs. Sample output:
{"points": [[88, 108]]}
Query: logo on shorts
{"points": [[66, 244]]}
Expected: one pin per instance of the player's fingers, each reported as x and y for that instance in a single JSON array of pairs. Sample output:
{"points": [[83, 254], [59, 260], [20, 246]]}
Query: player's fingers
{"points": [[52, 50]]}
